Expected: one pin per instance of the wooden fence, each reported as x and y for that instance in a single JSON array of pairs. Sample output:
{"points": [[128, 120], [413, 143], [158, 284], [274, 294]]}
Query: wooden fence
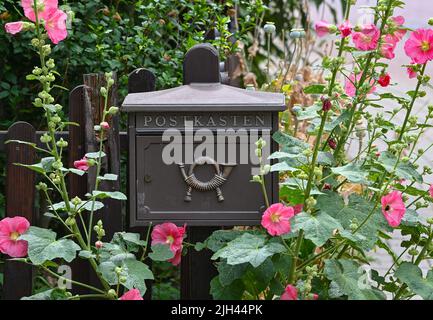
{"points": [[85, 106]]}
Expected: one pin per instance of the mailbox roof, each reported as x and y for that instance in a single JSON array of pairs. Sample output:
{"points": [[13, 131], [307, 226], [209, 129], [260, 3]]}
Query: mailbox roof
{"points": [[208, 96]]}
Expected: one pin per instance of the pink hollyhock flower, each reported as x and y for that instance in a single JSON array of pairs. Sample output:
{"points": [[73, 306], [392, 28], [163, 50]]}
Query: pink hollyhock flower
{"points": [[44, 6], [56, 25], [133, 294], [349, 86], [399, 33], [170, 234], [384, 80], [10, 230], [367, 38], [393, 208], [99, 244], [430, 191], [82, 164], [345, 29], [276, 219], [14, 27], [104, 125], [419, 47], [323, 28], [290, 293], [411, 72]]}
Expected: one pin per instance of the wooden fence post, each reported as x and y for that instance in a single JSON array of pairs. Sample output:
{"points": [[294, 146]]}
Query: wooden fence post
{"points": [[20, 194], [140, 80]]}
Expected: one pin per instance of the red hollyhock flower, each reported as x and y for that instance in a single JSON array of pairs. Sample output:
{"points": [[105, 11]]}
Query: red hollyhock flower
{"points": [[384, 80]]}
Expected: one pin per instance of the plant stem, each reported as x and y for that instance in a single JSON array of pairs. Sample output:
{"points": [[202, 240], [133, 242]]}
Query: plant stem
{"points": [[412, 103]]}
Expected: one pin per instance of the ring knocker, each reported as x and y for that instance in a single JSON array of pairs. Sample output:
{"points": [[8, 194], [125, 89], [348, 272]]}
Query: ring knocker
{"points": [[214, 184]]}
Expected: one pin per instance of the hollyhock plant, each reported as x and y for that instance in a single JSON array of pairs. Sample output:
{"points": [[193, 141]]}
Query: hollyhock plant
{"points": [[384, 80], [82, 164], [44, 8], [367, 38], [290, 293], [133, 294], [10, 230], [276, 219], [170, 234], [324, 28], [419, 46], [345, 29], [393, 208]]}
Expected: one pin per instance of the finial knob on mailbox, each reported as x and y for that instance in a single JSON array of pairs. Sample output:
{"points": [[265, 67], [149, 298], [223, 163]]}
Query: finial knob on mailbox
{"points": [[201, 65]]}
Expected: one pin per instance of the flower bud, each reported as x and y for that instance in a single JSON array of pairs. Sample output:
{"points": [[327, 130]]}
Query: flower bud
{"points": [[110, 82], [430, 21], [258, 152], [326, 104], [104, 125], [45, 138], [311, 202], [257, 178], [76, 201], [103, 91], [57, 165], [122, 279], [327, 186], [413, 252], [62, 143], [266, 169], [118, 270], [99, 244], [70, 221], [112, 293], [332, 143], [430, 220], [113, 110], [41, 186]]}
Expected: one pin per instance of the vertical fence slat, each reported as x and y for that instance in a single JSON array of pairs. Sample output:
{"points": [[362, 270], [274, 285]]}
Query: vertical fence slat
{"points": [[20, 194], [77, 184]]}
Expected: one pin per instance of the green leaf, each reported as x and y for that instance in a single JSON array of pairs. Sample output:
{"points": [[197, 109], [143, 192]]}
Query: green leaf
{"points": [[351, 280], [352, 172], [309, 113], [317, 228], [107, 194], [325, 158], [88, 206], [315, 89], [41, 167], [229, 273], [411, 275], [218, 239], [86, 254], [161, 252], [234, 291], [356, 208], [282, 166], [248, 248], [109, 177], [95, 155], [43, 246], [403, 170]]}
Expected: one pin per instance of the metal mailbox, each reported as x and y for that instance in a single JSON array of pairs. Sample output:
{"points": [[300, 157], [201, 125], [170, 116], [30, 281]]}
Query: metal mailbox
{"points": [[192, 151]]}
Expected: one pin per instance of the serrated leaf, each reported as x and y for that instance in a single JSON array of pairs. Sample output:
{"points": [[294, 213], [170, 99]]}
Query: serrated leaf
{"points": [[234, 291], [317, 228], [411, 275], [248, 248], [351, 280], [352, 172], [229, 273], [43, 246], [403, 170]]}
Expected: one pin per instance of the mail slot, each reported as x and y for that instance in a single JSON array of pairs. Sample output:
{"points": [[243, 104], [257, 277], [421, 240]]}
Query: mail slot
{"points": [[192, 149]]}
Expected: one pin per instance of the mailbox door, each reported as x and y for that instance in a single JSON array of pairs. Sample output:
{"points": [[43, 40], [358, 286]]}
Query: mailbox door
{"points": [[161, 190]]}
